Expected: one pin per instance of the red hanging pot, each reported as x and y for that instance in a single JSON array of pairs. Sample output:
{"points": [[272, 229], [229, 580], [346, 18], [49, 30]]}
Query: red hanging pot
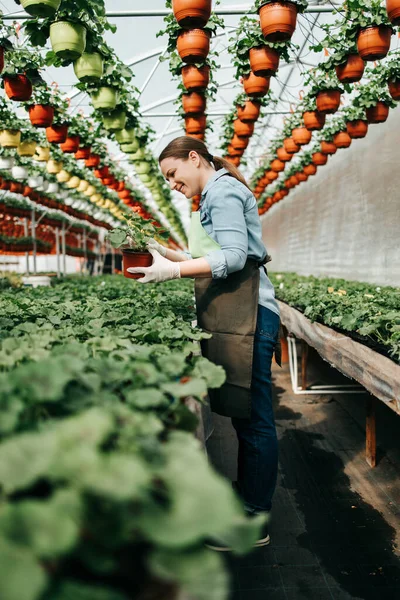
{"points": [[310, 170], [15, 187], [108, 181], [195, 78], [124, 194], [4, 185], [277, 165], [290, 146], [373, 43], [264, 61], [193, 46], [313, 120], [301, 136], [243, 129], [17, 87], [83, 153], [93, 161], [342, 139], [238, 142], [102, 172], [283, 155], [394, 89], [302, 176], [328, 101], [192, 13], [319, 159], [27, 191], [393, 11], [41, 115], [357, 129], [195, 124], [71, 144], [234, 160], [328, 147], [352, 70], [256, 86], [235, 151], [193, 103], [378, 113], [271, 175], [57, 134], [278, 20], [249, 112]]}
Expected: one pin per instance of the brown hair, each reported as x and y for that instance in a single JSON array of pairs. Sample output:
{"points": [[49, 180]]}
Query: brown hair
{"points": [[181, 146]]}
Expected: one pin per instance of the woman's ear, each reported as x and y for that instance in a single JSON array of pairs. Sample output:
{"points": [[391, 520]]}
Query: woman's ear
{"points": [[194, 158]]}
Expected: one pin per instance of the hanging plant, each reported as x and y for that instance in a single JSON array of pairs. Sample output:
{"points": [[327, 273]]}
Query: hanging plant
{"points": [[388, 73], [326, 89], [393, 11], [368, 25], [313, 119], [356, 121], [278, 19], [190, 13], [40, 8], [21, 71], [375, 100]]}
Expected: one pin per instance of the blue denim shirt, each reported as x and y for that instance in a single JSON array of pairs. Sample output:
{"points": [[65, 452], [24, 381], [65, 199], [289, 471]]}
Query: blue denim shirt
{"points": [[229, 214]]}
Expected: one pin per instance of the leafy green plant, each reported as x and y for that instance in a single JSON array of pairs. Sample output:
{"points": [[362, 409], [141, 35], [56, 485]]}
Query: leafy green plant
{"points": [[8, 118], [353, 113], [135, 234], [372, 92], [173, 29], [361, 14], [318, 80], [23, 60]]}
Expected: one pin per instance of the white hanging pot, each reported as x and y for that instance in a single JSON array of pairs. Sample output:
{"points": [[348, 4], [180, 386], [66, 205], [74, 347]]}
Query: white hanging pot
{"points": [[63, 194], [19, 172], [53, 188], [43, 187], [6, 162], [35, 182]]}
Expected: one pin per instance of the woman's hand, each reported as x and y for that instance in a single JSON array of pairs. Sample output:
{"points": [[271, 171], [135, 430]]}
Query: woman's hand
{"points": [[162, 269], [153, 245]]}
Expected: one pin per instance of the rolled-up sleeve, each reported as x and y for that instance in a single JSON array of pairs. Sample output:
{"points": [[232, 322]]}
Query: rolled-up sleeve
{"points": [[226, 208]]}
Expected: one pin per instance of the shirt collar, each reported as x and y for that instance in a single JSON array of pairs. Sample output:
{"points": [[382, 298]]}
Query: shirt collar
{"points": [[213, 179]]}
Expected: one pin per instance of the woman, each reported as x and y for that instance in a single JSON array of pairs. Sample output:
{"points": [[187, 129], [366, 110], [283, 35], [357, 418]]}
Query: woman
{"points": [[235, 302]]}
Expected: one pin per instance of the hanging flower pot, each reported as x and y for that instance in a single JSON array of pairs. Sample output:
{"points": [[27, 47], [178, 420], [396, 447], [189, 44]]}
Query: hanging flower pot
{"points": [[328, 147], [6, 162], [310, 170], [82, 153], [131, 258], [54, 167], [240, 143], [313, 120], [277, 165], [15, 188], [301, 176], [63, 176], [234, 160], [301, 136], [124, 194], [130, 147], [90, 191], [126, 136], [93, 161], [57, 134], [19, 172], [264, 61], [41, 115], [143, 167], [107, 181], [278, 20], [73, 183], [394, 89], [235, 151], [319, 159], [17, 87], [89, 67], [83, 186], [283, 155], [193, 45], [42, 154], [115, 120], [27, 191], [53, 187], [195, 124], [393, 11], [294, 180], [378, 113], [193, 103], [41, 8], [271, 175], [105, 98], [242, 129], [35, 182], [71, 144], [192, 13], [328, 101], [68, 40], [357, 129], [290, 145], [249, 112], [104, 171], [4, 185], [373, 43], [342, 139], [195, 78], [10, 138], [26, 148], [352, 70], [256, 86]]}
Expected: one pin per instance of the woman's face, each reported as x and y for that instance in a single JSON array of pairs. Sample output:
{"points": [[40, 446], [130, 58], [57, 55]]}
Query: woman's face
{"points": [[183, 175]]}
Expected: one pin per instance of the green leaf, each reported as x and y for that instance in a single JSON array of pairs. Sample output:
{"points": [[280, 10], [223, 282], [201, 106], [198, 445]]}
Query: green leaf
{"points": [[21, 576], [194, 387]]}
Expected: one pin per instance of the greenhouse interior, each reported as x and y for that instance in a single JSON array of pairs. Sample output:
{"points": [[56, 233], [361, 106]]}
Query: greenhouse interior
{"points": [[199, 300]]}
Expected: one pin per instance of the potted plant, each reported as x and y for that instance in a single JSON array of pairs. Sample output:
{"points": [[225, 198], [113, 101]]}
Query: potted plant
{"points": [[393, 11], [10, 132], [343, 56], [278, 19], [356, 121], [388, 73], [248, 109], [190, 13], [326, 89], [89, 67], [40, 8], [255, 86], [42, 105], [375, 100], [21, 70], [7, 158], [30, 139], [369, 26], [193, 103], [313, 119]]}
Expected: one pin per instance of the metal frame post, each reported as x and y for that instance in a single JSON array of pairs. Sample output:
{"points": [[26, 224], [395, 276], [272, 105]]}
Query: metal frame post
{"points": [[26, 232]]}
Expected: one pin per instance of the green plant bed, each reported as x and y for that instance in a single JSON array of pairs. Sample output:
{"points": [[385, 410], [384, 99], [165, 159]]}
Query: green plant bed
{"points": [[369, 313]]}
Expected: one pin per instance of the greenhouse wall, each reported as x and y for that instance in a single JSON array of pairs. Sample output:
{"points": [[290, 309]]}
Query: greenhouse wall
{"points": [[343, 222]]}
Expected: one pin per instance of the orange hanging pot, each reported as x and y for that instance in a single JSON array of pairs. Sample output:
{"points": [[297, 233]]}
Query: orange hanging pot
{"points": [[243, 129], [57, 134], [255, 86], [102, 172], [283, 155], [249, 112], [193, 103], [301, 136], [342, 139], [301, 176], [278, 20], [232, 151], [357, 129], [328, 101], [264, 61], [271, 175], [16, 187], [93, 161], [313, 120], [193, 45], [319, 159], [192, 13], [393, 11], [239, 142], [83, 153], [310, 170], [234, 160], [288, 184], [290, 145], [195, 78], [198, 136], [71, 144], [294, 180], [328, 147], [352, 70], [394, 89], [195, 124], [131, 258], [373, 43], [378, 113], [277, 165], [124, 194], [41, 115], [17, 87]]}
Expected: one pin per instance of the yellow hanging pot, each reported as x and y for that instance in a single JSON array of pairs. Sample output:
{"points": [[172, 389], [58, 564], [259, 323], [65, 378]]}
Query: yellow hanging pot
{"points": [[42, 154], [83, 186], [73, 183], [108, 204], [26, 148], [90, 191], [95, 198], [54, 167], [63, 176], [10, 138]]}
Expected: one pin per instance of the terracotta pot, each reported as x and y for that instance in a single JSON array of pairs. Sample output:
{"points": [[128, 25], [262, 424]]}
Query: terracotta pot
{"points": [[41, 115], [264, 61], [271, 175], [15, 187], [194, 103], [71, 144], [278, 20], [243, 129], [290, 145], [193, 45], [249, 112], [328, 101], [17, 87], [328, 147], [124, 194], [394, 89], [4, 185], [240, 143], [357, 129], [234, 160], [197, 136], [1, 59], [135, 259], [342, 139], [378, 113], [352, 70], [294, 180], [255, 86], [393, 11], [57, 134], [310, 170], [301, 136], [83, 153], [93, 161], [319, 159], [195, 124], [283, 155], [27, 191], [195, 78], [373, 43], [313, 120], [301, 176], [192, 13], [235, 151], [277, 165], [288, 184], [102, 172]]}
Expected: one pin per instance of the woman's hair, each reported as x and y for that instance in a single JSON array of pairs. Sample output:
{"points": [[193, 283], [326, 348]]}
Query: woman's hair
{"points": [[181, 146]]}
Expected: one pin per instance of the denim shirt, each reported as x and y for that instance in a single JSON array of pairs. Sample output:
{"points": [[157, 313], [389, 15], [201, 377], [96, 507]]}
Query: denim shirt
{"points": [[229, 214]]}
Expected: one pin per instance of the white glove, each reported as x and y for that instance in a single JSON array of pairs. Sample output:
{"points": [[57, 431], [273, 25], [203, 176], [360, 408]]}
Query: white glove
{"points": [[153, 245], [162, 269]]}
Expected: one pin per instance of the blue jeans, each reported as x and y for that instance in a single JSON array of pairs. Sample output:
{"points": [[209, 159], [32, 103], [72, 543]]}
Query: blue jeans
{"points": [[258, 444]]}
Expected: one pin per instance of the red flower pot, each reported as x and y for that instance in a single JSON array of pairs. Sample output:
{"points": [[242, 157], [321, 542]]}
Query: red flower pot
{"points": [[290, 145], [240, 143], [328, 147], [319, 159], [57, 134], [277, 165], [41, 115], [124, 194], [393, 11], [301, 136], [394, 89], [15, 187], [310, 170], [71, 144], [249, 112], [102, 172], [328, 101], [195, 78], [278, 20], [243, 129], [192, 13], [195, 124], [17, 87], [283, 155], [357, 129], [373, 43], [378, 113], [193, 103], [313, 120], [271, 175], [256, 86], [352, 70], [27, 191], [264, 61], [234, 160], [193, 45], [83, 153], [108, 181], [342, 139], [93, 161], [301, 176]]}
